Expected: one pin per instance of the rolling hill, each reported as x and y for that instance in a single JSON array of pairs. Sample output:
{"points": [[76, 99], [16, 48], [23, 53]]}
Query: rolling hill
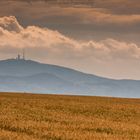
{"points": [[31, 76]]}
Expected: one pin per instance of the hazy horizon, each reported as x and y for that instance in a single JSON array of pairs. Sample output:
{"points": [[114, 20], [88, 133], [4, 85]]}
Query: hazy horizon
{"points": [[97, 37]]}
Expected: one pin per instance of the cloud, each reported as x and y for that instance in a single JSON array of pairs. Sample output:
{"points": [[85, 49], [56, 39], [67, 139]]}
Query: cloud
{"points": [[13, 35], [118, 19], [98, 16], [102, 18], [10, 24], [111, 11], [86, 15]]}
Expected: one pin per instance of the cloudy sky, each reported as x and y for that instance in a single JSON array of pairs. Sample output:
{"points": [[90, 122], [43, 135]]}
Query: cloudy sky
{"points": [[99, 36]]}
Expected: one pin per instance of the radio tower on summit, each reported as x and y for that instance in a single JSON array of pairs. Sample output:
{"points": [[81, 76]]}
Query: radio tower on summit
{"points": [[23, 55]]}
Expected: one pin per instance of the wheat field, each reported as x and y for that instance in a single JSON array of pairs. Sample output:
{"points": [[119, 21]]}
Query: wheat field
{"points": [[57, 117]]}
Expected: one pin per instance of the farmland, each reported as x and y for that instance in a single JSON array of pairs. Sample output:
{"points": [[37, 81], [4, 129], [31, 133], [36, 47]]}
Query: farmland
{"points": [[59, 117]]}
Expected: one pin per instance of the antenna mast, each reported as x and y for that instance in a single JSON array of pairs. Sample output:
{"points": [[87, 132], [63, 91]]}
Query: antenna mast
{"points": [[23, 54]]}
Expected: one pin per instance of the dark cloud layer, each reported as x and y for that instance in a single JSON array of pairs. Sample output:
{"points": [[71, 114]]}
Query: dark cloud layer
{"points": [[112, 18], [115, 6]]}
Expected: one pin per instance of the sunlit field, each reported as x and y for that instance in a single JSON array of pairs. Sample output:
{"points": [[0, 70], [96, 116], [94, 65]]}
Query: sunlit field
{"points": [[57, 117]]}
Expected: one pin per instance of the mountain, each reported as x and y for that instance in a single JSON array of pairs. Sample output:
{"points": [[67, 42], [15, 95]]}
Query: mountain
{"points": [[19, 75]]}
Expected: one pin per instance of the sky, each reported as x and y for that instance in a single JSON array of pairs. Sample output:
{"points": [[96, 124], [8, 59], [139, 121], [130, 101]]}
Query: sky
{"points": [[95, 36]]}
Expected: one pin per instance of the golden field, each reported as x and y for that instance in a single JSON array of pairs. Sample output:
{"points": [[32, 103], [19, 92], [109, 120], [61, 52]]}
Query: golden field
{"points": [[57, 117]]}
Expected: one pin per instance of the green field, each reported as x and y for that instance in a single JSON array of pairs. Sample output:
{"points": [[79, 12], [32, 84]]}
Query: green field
{"points": [[56, 117]]}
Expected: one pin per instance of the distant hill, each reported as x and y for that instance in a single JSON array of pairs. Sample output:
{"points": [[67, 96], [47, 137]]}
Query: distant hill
{"points": [[31, 76]]}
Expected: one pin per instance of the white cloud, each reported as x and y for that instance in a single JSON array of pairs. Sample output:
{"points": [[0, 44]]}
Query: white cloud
{"points": [[14, 35]]}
